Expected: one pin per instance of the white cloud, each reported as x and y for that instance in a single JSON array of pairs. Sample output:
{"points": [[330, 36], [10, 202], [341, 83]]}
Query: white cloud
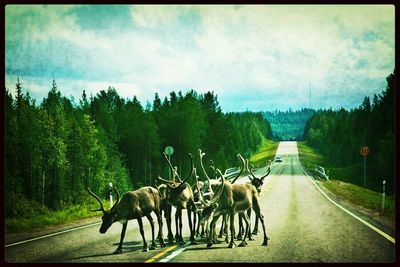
{"points": [[228, 49]]}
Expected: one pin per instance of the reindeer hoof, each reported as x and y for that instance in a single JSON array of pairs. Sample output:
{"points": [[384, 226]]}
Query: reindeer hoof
{"points": [[118, 251], [251, 238], [209, 245], [243, 244], [239, 237], [255, 232], [232, 245], [162, 244], [153, 246], [265, 243], [146, 249]]}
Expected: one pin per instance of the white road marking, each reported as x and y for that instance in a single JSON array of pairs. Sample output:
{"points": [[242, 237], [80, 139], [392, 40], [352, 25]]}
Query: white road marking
{"points": [[179, 251], [385, 235], [53, 234]]}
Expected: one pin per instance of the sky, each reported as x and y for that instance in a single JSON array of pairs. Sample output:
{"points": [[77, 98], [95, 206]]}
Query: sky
{"points": [[253, 57]]}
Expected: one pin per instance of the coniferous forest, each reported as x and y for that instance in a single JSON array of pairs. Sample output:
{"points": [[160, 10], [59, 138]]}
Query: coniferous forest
{"points": [[289, 124], [339, 134], [57, 148]]}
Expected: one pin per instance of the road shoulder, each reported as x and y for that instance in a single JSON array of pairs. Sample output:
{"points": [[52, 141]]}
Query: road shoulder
{"points": [[16, 237]]}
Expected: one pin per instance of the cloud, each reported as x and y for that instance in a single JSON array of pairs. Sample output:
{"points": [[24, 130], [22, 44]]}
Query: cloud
{"points": [[273, 51]]}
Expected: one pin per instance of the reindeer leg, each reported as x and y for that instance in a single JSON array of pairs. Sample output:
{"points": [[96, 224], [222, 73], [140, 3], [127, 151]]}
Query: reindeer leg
{"points": [[177, 225], [192, 238], [212, 230], [153, 243], [255, 231], [160, 228], [256, 208], [167, 215], [240, 234], [198, 224], [226, 227], [222, 230], [181, 242], [159, 233], [249, 216], [145, 247], [202, 230], [119, 249], [232, 219], [246, 219]]}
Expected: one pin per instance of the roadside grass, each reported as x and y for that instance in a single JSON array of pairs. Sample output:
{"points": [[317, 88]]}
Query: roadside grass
{"points": [[362, 197], [48, 217], [266, 151], [346, 182]]}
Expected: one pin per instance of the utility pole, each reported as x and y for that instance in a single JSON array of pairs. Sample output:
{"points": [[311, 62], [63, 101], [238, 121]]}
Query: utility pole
{"points": [[309, 92]]}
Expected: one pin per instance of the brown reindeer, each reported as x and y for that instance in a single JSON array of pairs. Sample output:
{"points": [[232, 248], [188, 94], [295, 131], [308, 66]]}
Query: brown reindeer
{"points": [[258, 182], [180, 195], [234, 198], [133, 205], [167, 209]]}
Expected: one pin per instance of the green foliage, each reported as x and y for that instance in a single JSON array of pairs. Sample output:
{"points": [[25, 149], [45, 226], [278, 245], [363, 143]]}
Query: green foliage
{"points": [[288, 125], [338, 135], [266, 152]]}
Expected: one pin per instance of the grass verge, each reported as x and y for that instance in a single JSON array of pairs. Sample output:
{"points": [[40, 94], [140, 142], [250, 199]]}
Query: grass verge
{"points": [[266, 151], [47, 218], [342, 182]]}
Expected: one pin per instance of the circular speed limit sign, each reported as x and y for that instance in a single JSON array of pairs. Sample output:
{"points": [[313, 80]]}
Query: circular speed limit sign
{"points": [[364, 151]]}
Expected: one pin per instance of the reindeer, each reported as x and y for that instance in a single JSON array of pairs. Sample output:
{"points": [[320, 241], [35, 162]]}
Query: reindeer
{"points": [[208, 191], [207, 194], [180, 195], [133, 205], [167, 209], [258, 183], [234, 198]]}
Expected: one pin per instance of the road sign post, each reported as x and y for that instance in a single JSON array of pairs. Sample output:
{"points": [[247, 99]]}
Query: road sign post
{"points": [[364, 151], [169, 150], [383, 195], [111, 197]]}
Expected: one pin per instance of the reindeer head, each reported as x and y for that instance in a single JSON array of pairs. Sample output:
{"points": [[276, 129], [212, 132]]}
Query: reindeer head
{"points": [[208, 207], [109, 216], [257, 182], [175, 188]]}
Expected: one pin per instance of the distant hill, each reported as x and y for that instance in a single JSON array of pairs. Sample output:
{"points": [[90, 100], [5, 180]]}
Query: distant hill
{"points": [[288, 125]]}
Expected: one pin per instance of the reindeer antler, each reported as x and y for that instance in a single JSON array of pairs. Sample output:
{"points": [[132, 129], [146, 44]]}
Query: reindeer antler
{"points": [[241, 169], [98, 199], [202, 166]]}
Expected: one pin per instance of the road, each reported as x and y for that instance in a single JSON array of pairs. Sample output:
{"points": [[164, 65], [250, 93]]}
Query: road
{"points": [[303, 226]]}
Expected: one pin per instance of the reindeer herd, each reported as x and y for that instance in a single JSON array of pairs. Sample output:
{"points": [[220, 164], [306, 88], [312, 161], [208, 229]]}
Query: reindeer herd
{"points": [[205, 203]]}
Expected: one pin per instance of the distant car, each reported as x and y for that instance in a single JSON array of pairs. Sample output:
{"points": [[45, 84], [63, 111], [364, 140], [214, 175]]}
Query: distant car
{"points": [[278, 159], [319, 172]]}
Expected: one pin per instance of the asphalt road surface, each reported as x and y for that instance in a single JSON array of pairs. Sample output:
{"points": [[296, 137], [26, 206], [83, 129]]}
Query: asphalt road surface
{"points": [[302, 224]]}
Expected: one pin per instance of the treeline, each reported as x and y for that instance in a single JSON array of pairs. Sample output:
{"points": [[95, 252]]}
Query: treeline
{"points": [[288, 125], [339, 134], [56, 149]]}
